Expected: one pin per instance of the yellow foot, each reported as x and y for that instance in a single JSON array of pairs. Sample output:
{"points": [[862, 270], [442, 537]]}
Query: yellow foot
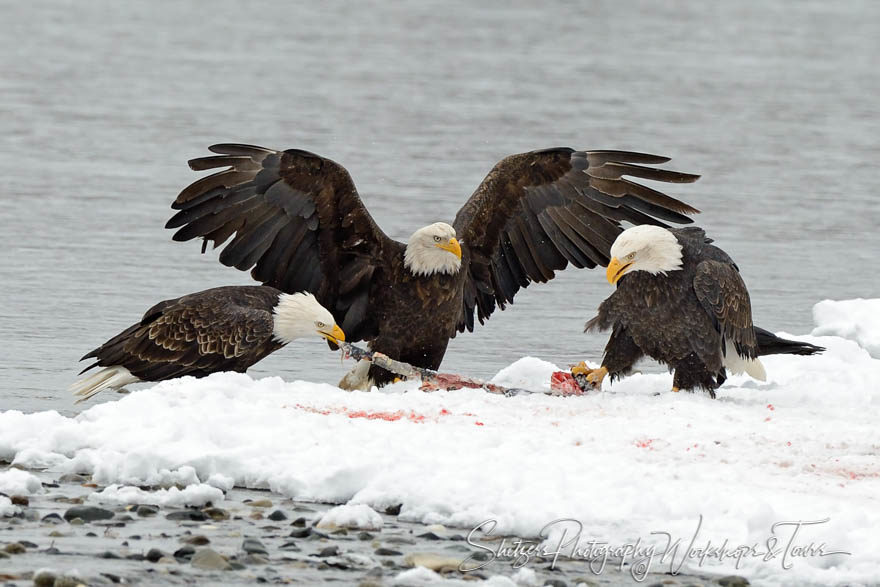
{"points": [[580, 369], [398, 380], [675, 389], [596, 376]]}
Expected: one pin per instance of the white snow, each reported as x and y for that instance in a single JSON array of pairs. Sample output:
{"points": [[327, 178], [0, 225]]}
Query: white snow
{"points": [[358, 516], [18, 482], [6, 507], [625, 462], [857, 320], [193, 495]]}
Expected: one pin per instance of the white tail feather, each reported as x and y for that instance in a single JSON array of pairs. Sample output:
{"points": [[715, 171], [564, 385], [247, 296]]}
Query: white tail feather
{"points": [[114, 377], [738, 365]]}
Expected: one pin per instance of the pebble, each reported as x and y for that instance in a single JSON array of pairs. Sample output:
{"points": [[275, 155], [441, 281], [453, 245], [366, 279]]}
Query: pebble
{"points": [[73, 478], [216, 513], [65, 581], [191, 515], [185, 552], [44, 579], [154, 554], [205, 558], [300, 521], [290, 546], [19, 500], [329, 551], [435, 562], [15, 548], [277, 516], [365, 536], [198, 540], [256, 559], [393, 510], [146, 511], [253, 546], [87, 513], [260, 503], [387, 552], [733, 581], [301, 533], [3, 555], [430, 536]]}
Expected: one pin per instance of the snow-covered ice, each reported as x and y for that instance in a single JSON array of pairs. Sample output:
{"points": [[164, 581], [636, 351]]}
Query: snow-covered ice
{"points": [[18, 482], [802, 446], [197, 494], [358, 516], [857, 320]]}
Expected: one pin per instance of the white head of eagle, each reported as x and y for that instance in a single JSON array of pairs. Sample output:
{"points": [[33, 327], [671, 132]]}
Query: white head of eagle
{"points": [[644, 248], [299, 315], [433, 249]]}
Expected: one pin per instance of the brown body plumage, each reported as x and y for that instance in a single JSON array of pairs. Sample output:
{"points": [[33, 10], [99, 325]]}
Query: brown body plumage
{"points": [[299, 224]]}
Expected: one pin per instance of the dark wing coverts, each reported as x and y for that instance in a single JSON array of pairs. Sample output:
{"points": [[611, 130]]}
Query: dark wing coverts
{"points": [[536, 212], [298, 221], [195, 334], [723, 294]]}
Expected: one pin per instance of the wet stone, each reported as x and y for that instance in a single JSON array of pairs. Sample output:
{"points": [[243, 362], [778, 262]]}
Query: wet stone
{"points": [[733, 581], [27, 543], [300, 521], [255, 559], [394, 510], [277, 516], [184, 552], [198, 540], [65, 581], [87, 513], [365, 536], [44, 579], [15, 548], [301, 533], [206, 558], [109, 555], [329, 551], [216, 513], [387, 552], [154, 554], [260, 503], [73, 478], [253, 546], [146, 511], [290, 546], [430, 536], [190, 515], [112, 578], [3, 555], [19, 500]]}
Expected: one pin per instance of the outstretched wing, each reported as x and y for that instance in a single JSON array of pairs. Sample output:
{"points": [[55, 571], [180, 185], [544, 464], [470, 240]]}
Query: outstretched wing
{"points": [[297, 220], [724, 296], [537, 212]]}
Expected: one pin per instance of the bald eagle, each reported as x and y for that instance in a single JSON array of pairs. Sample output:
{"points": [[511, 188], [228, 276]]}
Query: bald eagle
{"points": [[299, 224], [681, 301], [220, 329]]}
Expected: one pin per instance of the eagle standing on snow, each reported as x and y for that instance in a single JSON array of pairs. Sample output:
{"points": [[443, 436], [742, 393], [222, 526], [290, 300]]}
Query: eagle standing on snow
{"points": [[219, 329], [681, 301], [298, 221]]}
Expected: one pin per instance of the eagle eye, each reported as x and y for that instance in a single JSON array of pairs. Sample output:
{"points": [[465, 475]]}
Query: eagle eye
{"points": [[437, 239], [320, 324]]}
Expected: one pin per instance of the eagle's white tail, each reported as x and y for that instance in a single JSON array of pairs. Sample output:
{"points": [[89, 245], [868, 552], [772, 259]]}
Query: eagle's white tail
{"points": [[107, 378], [737, 364]]}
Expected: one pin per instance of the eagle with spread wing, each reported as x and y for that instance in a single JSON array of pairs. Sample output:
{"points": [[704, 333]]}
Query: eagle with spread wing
{"points": [[297, 223]]}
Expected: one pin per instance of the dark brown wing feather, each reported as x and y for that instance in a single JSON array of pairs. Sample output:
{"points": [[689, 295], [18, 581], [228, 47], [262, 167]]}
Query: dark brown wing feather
{"points": [[536, 212], [221, 329], [297, 220], [723, 294]]}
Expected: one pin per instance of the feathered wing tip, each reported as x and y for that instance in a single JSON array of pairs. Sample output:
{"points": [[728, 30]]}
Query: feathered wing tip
{"points": [[114, 377], [770, 344], [593, 325]]}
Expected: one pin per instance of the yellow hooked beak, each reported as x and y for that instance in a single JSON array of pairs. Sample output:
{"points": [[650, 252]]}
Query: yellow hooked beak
{"points": [[616, 270], [335, 335], [453, 247]]}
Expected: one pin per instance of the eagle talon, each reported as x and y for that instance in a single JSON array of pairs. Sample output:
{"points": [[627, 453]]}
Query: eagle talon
{"points": [[580, 369]]}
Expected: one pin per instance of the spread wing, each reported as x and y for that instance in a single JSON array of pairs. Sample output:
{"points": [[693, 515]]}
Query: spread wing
{"points": [[296, 221], [537, 212], [199, 333], [723, 294]]}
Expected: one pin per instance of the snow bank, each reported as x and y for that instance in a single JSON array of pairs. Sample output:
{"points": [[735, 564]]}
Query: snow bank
{"points": [[360, 516], [623, 463], [193, 495], [6, 507], [857, 320], [18, 482]]}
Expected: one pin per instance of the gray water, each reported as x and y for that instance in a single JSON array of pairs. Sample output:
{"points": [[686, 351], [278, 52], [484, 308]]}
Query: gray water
{"points": [[775, 103]]}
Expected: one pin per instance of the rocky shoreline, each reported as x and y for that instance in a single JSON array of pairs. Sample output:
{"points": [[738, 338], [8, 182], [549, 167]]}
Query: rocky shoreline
{"points": [[61, 537]]}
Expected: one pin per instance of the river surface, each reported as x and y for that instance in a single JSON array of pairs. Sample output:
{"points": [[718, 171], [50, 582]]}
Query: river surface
{"points": [[101, 104]]}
